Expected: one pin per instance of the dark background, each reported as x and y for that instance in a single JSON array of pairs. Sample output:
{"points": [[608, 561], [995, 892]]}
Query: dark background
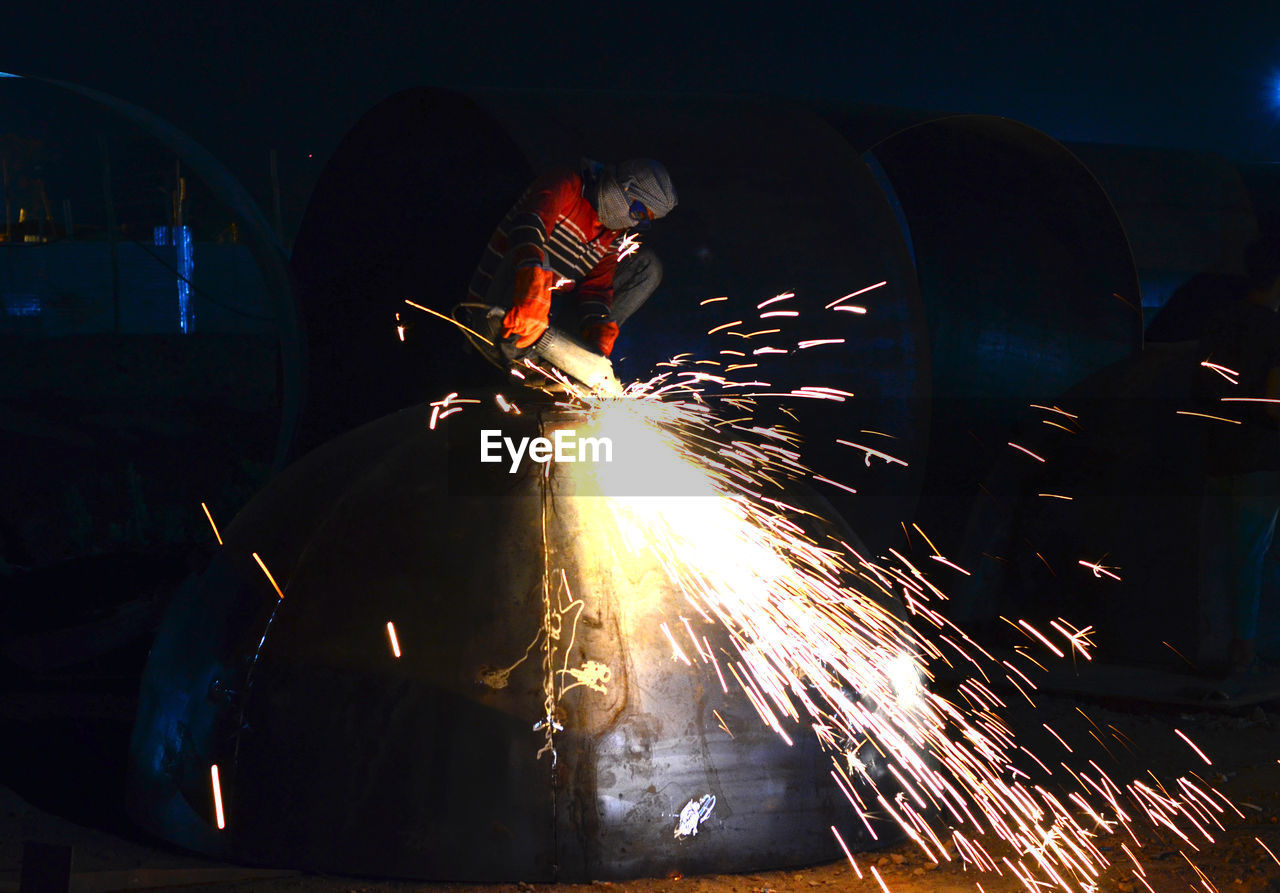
{"points": [[245, 77]]}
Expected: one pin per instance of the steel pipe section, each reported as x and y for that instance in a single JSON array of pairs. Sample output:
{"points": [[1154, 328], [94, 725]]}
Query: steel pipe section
{"points": [[772, 200], [1026, 278], [263, 243], [1185, 213], [340, 751]]}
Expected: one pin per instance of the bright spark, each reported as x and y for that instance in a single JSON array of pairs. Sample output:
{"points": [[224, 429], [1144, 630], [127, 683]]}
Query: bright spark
{"points": [[1027, 451], [395, 642], [274, 585], [1199, 752], [217, 797], [1230, 375], [824, 638], [1203, 415], [1054, 409], [208, 515], [872, 452], [854, 294], [1099, 570], [785, 296], [629, 245]]}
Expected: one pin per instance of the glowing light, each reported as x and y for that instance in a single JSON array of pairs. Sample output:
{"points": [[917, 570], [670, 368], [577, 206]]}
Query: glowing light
{"points": [[186, 266], [1202, 415], [450, 320], [736, 322], [1230, 375], [629, 245], [854, 294], [217, 535], [1268, 849], [395, 641], [815, 642], [1099, 570], [1027, 451], [848, 855], [872, 452], [274, 585], [217, 797], [785, 296], [1199, 752]]}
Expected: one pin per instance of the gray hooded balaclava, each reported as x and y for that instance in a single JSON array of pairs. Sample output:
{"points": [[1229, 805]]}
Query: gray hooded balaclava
{"points": [[615, 187]]}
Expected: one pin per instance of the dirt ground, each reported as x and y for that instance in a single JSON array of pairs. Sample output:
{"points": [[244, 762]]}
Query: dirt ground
{"points": [[1244, 747]]}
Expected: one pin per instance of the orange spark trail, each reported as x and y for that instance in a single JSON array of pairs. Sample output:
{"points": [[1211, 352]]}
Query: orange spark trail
{"points": [[1199, 752], [269, 577], [854, 294], [207, 514]]}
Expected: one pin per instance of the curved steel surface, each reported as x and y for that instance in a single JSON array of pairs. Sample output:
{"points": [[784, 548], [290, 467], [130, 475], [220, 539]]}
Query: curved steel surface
{"points": [[261, 240], [337, 755], [1026, 278], [771, 201]]}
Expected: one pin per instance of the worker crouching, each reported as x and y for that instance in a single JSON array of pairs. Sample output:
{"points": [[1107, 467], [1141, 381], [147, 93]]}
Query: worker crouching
{"points": [[563, 236]]}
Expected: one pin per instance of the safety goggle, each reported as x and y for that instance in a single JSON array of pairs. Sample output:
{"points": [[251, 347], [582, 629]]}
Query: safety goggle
{"points": [[640, 214]]}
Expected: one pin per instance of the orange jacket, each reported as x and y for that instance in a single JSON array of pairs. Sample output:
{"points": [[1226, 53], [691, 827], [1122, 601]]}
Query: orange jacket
{"points": [[552, 233]]}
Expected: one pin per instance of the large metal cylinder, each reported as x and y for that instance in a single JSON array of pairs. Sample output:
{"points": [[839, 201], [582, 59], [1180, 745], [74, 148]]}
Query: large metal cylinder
{"points": [[337, 753], [1184, 212], [1025, 274]]}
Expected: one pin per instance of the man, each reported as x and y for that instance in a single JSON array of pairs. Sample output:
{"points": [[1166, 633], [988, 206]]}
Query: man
{"points": [[563, 236], [1242, 493]]}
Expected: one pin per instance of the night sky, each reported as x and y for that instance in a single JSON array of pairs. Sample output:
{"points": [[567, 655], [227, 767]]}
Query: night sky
{"points": [[243, 77]]}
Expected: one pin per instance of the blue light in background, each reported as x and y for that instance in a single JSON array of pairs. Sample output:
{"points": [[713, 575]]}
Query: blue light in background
{"points": [[5, 74], [186, 263], [180, 238], [22, 305]]}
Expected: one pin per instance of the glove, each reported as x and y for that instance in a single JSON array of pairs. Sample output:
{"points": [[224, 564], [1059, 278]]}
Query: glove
{"points": [[601, 334], [510, 353], [530, 306]]}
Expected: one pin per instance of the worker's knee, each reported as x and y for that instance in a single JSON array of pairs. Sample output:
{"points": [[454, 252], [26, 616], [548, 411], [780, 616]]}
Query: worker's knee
{"points": [[640, 271], [637, 277]]}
